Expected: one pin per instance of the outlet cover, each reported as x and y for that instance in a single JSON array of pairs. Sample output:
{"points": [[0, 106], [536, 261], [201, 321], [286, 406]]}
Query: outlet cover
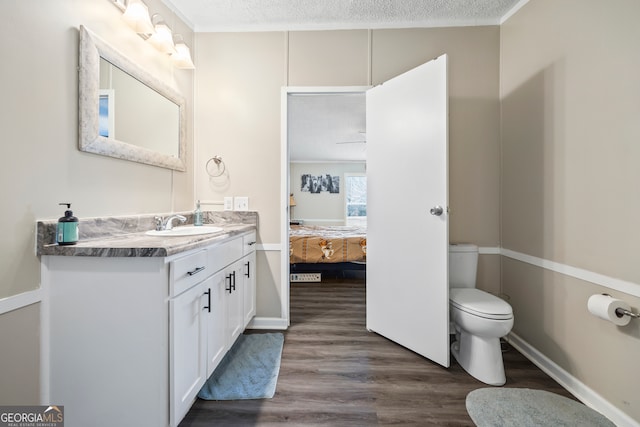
{"points": [[240, 203], [228, 203]]}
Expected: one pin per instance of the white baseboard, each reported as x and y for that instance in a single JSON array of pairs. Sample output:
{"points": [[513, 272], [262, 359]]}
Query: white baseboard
{"points": [[276, 323], [585, 394]]}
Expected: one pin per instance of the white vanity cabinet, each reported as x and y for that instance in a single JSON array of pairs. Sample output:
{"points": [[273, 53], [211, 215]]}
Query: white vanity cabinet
{"points": [[131, 340]]}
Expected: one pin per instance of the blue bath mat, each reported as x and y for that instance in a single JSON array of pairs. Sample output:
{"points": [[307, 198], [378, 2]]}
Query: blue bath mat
{"points": [[248, 371]]}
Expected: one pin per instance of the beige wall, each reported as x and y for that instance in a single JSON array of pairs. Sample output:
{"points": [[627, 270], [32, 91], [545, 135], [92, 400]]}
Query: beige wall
{"points": [[328, 58], [238, 85], [39, 121], [237, 104], [570, 156], [20, 356], [474, 136]]}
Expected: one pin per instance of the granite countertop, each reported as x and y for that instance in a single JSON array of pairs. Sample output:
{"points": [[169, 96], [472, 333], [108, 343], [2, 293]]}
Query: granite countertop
{"points": [[126, 236]]}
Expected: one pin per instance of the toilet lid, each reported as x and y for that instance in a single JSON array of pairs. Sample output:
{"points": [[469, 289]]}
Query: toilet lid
{"points": [[480, 303]]}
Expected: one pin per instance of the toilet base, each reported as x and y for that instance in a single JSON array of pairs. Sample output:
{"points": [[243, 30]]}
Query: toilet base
{"points": [[480, 357]]}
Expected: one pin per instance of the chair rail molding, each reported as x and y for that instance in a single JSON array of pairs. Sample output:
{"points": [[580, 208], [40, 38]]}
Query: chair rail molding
{"points": [[17, 301], [578, 273]]}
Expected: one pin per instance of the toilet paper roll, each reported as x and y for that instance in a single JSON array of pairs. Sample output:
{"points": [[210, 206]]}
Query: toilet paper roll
{"points": [[604, 307]]}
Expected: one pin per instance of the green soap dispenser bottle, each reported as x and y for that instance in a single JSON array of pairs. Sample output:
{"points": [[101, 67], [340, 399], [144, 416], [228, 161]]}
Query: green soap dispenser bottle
{"points": [[67, 232], [197, 215]]}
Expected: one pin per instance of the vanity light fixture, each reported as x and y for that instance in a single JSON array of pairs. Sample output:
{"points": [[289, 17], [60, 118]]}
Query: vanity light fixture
{"points": [[156, 31], [182, 57], [162, 37], [136, 15]]}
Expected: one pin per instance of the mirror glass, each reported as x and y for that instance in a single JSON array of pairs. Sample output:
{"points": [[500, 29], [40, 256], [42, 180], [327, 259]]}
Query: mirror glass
{"points": [[124, 111], [133, 112]]}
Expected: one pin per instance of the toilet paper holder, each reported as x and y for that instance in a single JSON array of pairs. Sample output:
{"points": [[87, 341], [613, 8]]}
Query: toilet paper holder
{"points": [[620, 312]]}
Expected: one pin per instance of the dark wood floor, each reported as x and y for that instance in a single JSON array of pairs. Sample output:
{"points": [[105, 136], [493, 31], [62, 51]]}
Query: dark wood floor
{"points": [[333, 372]]}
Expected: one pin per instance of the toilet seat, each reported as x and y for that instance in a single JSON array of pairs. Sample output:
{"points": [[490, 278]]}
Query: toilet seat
{"points": [[480, 303]]}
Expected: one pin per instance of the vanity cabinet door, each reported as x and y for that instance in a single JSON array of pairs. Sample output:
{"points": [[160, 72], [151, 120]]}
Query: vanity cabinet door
{"points": [[188, 347], [235, 301], [249, 288], [249, 276], [216, 321]]}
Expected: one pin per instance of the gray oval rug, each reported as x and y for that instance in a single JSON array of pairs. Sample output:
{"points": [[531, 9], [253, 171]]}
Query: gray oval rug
{"points": [[525, 407]]}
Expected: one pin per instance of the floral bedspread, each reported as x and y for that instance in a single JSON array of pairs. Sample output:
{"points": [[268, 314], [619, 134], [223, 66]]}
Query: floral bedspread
{"points": [[327, 244]]}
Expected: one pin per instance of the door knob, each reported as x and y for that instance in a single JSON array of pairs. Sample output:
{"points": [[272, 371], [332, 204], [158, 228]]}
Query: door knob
{"points": [[436, 210]]}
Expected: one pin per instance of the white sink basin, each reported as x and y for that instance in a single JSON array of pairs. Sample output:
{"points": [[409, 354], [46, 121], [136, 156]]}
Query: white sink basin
{"points": [[189, 230]]}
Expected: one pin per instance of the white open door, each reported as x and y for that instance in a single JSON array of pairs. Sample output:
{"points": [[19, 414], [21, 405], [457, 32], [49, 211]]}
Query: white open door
{"points": [[407, 181]]}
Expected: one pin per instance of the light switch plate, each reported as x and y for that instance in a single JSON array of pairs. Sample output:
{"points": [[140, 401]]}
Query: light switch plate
{"points": [[228, 203], [240, 203]]}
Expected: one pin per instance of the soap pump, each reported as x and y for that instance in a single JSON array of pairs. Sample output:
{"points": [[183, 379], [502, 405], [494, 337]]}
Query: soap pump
{"points": [[197, 215], [67, 232]]}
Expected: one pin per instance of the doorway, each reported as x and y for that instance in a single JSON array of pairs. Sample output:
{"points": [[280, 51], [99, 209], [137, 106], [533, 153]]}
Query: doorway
{"points": [[324, 140]]}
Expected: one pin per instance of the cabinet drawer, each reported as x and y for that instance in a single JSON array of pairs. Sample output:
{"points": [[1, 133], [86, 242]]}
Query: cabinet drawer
{"points": [[222, 255], [187, 271], [249, 243]]}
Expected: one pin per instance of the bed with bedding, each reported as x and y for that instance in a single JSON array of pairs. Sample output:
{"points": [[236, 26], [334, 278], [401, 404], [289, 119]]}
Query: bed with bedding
{"points": [[334, 249]]}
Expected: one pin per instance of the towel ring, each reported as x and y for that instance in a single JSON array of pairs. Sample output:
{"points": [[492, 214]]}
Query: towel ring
{"points": [[220, 166]]}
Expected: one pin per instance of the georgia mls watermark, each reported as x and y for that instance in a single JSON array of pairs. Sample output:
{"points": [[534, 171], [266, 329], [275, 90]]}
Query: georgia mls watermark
{"points": [[32, 416]]}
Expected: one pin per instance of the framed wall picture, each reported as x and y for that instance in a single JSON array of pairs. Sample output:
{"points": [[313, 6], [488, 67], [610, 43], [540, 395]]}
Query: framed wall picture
{"points": [[320, 183]]}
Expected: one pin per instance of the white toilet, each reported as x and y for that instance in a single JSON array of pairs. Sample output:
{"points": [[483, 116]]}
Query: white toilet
{"points": [[479, 318]]}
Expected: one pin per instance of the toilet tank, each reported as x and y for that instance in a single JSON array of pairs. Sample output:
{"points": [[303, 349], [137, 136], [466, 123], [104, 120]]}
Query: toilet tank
{"points": [[463, 265]]}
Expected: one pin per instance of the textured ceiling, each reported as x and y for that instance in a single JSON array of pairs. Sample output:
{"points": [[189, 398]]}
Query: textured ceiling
{"points": [[279, 15]]}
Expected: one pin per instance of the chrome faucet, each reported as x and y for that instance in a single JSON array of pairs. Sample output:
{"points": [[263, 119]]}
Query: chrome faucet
{"points": [[167, 224]]}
